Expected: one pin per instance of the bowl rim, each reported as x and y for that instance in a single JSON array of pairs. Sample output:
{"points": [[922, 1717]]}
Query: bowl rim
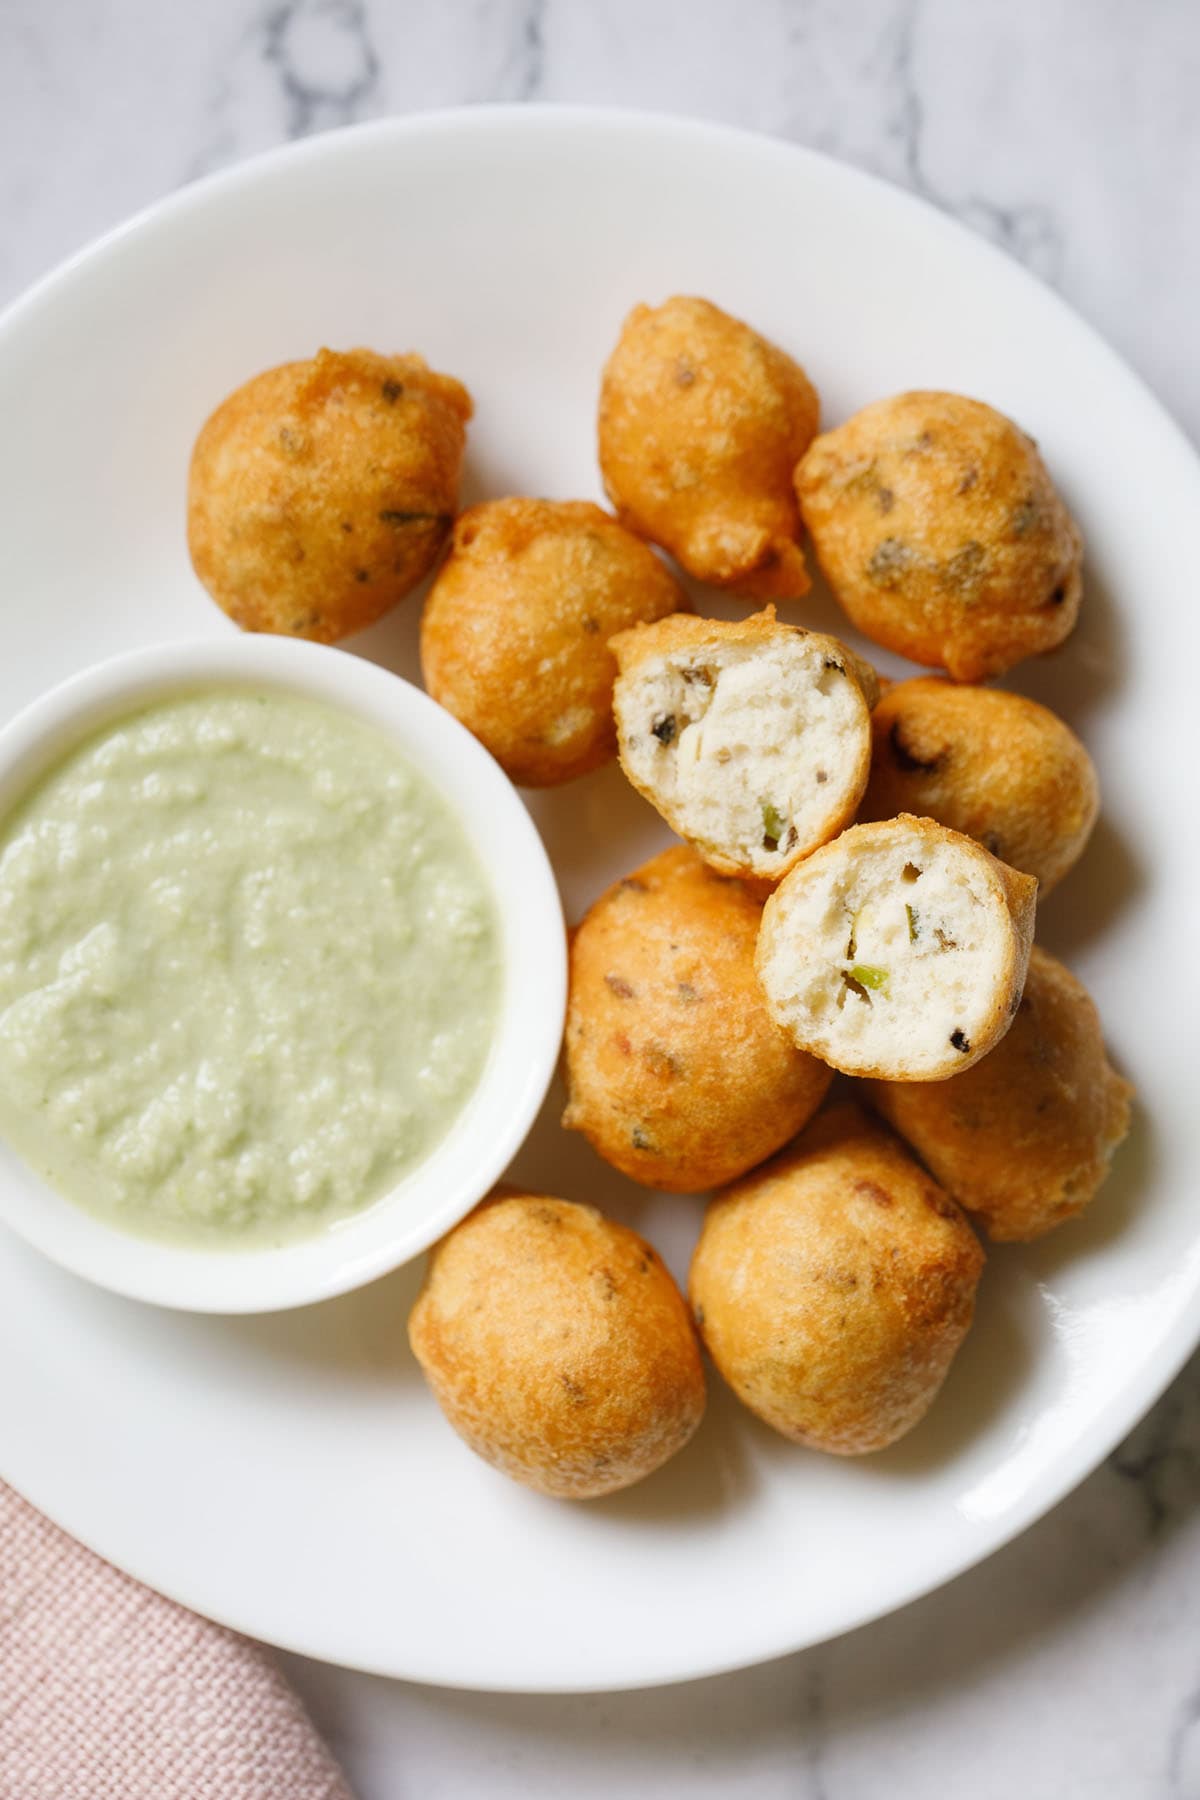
{"points": [[495, 1118]]}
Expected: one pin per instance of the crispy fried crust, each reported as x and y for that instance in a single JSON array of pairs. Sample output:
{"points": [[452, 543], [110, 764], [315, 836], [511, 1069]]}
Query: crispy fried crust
{"points": [[676, 1073], [939, 530], [321, 492], [684, 631], [1024, 1139], [701, 424], [834, 1285], [514, 636], [558, 1346], [996, 766]]}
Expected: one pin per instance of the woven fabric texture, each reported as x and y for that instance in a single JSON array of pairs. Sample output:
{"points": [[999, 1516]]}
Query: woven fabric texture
{"points": [[109, 1692]]}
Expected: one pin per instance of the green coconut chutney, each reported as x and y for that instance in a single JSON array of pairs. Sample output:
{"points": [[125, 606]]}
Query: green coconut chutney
{"points": [[249, 969]]}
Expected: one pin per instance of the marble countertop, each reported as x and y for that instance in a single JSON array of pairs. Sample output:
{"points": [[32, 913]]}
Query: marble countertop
{"points": [[1067, 131]]}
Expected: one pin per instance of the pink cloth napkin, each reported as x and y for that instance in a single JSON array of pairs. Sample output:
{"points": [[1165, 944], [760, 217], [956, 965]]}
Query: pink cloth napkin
{"points": [[109, 1692]]}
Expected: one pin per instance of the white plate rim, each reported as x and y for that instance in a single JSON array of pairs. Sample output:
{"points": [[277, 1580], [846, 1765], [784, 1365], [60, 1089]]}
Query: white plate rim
{"points": [[1131, 1402]]}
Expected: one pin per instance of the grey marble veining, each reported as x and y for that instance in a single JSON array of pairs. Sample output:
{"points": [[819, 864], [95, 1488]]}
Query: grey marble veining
{"points": [[1068, 132], [1064, 129], [1068, 1665]]}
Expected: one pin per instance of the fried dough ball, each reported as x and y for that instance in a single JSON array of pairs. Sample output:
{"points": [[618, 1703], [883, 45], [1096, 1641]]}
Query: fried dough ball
{"points": [[752, 739], [995, 766], [514, 637], [941, 533], [701, 424], [321, 492], [558, 1346], [676, 1073], [834, 1285], [1024, 1139], [899, 950]]}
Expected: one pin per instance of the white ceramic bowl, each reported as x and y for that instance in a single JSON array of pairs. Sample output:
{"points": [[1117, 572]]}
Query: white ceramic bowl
{"points": [[485, 1135]]}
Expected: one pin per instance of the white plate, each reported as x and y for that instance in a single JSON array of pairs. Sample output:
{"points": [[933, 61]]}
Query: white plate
{"points": [[290, 1475]]}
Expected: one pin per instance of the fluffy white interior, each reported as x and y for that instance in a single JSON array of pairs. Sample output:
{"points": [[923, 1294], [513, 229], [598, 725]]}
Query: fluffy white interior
{"points": [[751, 750], [889, 955]]}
